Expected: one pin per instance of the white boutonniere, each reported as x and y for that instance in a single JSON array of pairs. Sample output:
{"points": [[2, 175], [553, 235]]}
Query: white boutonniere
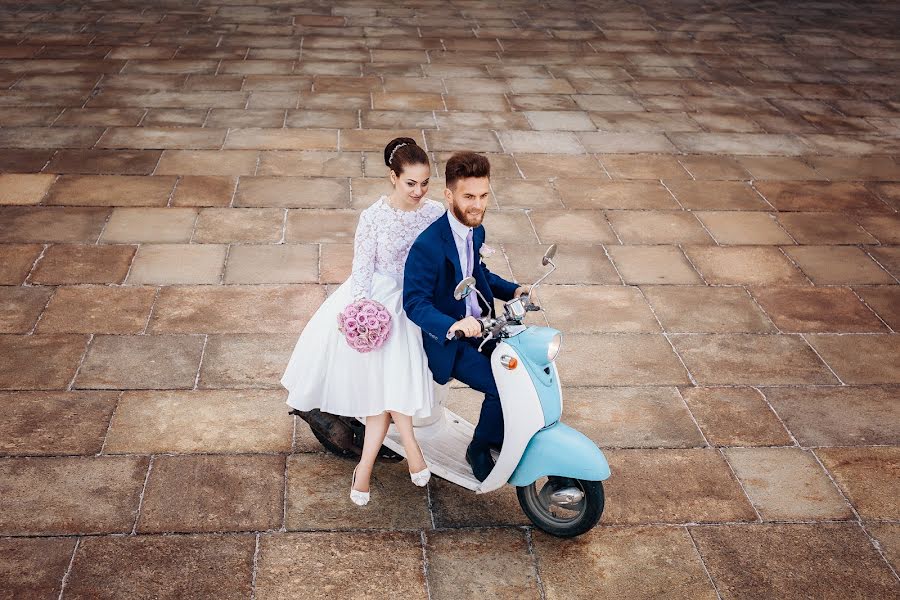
{"points": [[486, 251]]}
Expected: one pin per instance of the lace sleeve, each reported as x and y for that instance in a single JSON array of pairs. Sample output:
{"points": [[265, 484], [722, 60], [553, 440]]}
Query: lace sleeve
{"points": [[363, 257]]}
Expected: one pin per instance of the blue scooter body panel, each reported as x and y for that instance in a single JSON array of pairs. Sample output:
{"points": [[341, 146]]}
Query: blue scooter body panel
{"points": [[561, 451]]}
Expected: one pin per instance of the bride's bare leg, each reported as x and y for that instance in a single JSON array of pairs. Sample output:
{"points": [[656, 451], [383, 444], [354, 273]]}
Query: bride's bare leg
{"points": [[376, 429], [410, 445]]}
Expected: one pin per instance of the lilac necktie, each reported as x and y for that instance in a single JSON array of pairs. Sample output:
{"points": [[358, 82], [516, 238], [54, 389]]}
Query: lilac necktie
{"points": [[472, 298]]}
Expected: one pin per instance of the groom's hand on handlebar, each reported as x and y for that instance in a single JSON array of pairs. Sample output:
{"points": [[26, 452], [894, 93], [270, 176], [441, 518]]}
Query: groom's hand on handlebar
{"points": [[470, 327]]}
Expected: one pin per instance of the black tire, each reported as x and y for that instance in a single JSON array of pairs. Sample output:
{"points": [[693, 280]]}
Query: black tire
{"points": [[332, 447], [580, 518]]}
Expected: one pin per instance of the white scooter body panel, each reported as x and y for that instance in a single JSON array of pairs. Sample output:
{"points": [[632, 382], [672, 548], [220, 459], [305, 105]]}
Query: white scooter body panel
{"points": [[523, 415]]}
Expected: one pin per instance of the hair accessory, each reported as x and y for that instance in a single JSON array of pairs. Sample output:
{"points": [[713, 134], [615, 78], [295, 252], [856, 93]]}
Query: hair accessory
{"points": [[391, 155]]}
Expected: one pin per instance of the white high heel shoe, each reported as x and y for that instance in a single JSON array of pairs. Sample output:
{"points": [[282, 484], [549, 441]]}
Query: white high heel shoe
{"points": [[358, 498], [421, 478]]}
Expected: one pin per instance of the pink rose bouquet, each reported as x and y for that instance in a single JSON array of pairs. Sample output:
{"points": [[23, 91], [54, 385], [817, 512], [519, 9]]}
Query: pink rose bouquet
{"points": [[366, 324]]}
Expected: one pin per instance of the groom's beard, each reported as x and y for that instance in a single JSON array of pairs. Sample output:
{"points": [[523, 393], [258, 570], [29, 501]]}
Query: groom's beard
{"points": [[470, 219]]}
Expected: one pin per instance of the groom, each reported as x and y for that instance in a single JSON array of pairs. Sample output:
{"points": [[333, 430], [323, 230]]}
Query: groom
{"points": [[440, 258]]}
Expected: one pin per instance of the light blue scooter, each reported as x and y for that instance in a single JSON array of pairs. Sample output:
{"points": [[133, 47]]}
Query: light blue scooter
{"points": [[557, 471]]}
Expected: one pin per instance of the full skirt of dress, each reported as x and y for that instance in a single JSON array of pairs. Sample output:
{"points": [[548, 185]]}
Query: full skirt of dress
{"points": [[324, 372]]}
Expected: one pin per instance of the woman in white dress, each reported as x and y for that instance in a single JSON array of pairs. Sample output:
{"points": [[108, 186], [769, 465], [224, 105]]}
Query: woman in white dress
{"points": [[392, 382]]}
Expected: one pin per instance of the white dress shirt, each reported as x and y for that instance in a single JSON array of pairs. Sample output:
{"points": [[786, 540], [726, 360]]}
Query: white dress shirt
{"points": [[460, 233]]}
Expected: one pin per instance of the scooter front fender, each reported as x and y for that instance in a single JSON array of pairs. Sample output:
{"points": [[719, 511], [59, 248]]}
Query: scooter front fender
{"points": [[560, 451]]}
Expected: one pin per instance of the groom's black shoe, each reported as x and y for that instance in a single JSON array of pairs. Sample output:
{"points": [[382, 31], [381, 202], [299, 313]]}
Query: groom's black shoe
{"points": [[480, 459]]}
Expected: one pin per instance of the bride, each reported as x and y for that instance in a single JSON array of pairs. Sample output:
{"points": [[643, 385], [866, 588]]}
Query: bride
{"points": [[392, 382]]}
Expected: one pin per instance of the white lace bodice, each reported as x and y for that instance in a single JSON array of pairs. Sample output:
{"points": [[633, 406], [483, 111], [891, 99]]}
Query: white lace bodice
{"points": [[383, 239]]}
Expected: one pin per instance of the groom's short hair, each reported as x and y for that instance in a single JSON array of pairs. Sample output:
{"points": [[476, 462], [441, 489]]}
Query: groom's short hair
{"points": [[463, 165]]}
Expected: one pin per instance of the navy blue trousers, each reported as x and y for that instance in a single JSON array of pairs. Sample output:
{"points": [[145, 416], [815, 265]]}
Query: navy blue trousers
{"points": [[474, 369]]}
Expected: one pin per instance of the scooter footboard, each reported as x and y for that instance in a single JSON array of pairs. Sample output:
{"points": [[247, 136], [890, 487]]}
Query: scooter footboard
{"points": [[560, 451]]}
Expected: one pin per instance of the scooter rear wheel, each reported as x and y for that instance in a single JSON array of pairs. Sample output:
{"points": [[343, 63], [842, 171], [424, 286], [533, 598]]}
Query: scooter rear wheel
{"points": [[561, 506]]}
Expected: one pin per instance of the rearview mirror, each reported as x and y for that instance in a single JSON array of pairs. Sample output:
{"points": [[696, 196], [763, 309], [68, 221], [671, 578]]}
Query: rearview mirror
{"points": [[548, 255], [463, 288]]}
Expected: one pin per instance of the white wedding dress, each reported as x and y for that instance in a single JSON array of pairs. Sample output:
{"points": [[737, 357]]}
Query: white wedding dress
{"points": [[324, 372]]}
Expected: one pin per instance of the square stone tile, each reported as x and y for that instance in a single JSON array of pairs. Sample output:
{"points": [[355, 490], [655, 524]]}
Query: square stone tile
{"points": [[743, 228], [104, 117], [738, 143], [643, 166], [24, 161], [828, 560], [204, 190], [336, 561], [657, 227], [318, 496], [177, 138], [596, 309], [868, 476], [574, 227], [508, 226], [156, 422], [235, 309], [213, 493], [326, 226], [745, 359], [732, 416], [177, 264], [578, 264], [564, 120], [293, 192], [153, 225], [631, 417], [310, 164], [653, 264], [34, 567], [756, 265], [673, 486], [141, 362], [515, 193], [716, 195], [55, 422], [839, 416], [860, 359], [816, 196], [619, 359], [884, 300], [20, 307], [836, 265], [824, 228], [601, 193], [163, 566], [243, 118], [336, 262], [819, 309], [208, 162], [702, 309], [98, 309], [787, 484], [70, 495], [456, 507], [625, 143], [282, 263], [16, 261], [174, 117], [39, 362], [780, 168], [480, 564], [250, 225], [253, 138], [65, 263], [519, 102], [542, 142], [246, 361], [111, 190], [714, 168], [631, 562], [322, 119], [23, 189]]}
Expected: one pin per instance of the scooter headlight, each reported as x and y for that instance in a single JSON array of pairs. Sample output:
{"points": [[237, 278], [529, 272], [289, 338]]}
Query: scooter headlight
{"points": [[553, 347]]}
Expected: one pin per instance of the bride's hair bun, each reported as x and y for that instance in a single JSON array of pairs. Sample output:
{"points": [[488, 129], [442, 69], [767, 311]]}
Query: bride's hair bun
{"points": [[403, 151]]}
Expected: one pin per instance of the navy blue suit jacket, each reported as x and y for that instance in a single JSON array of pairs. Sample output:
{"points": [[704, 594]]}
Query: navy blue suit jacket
{"points": [[431, 274]]}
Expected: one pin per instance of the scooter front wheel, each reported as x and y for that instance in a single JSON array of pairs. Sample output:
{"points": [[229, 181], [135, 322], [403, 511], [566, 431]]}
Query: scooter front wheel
{"points": [[562, 506]]}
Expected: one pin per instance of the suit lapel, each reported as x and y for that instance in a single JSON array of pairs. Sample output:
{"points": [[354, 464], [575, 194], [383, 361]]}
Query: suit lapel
{"points": [[450, 248]]}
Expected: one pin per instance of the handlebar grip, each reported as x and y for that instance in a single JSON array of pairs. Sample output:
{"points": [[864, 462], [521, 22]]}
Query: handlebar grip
{"points": [[458, 335]]}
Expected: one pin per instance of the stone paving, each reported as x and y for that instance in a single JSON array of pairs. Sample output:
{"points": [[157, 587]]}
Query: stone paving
{"points": [[180, 183]]}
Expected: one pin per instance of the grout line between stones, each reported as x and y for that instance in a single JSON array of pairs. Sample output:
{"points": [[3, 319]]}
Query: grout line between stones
{"points": [[65, 579]]}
